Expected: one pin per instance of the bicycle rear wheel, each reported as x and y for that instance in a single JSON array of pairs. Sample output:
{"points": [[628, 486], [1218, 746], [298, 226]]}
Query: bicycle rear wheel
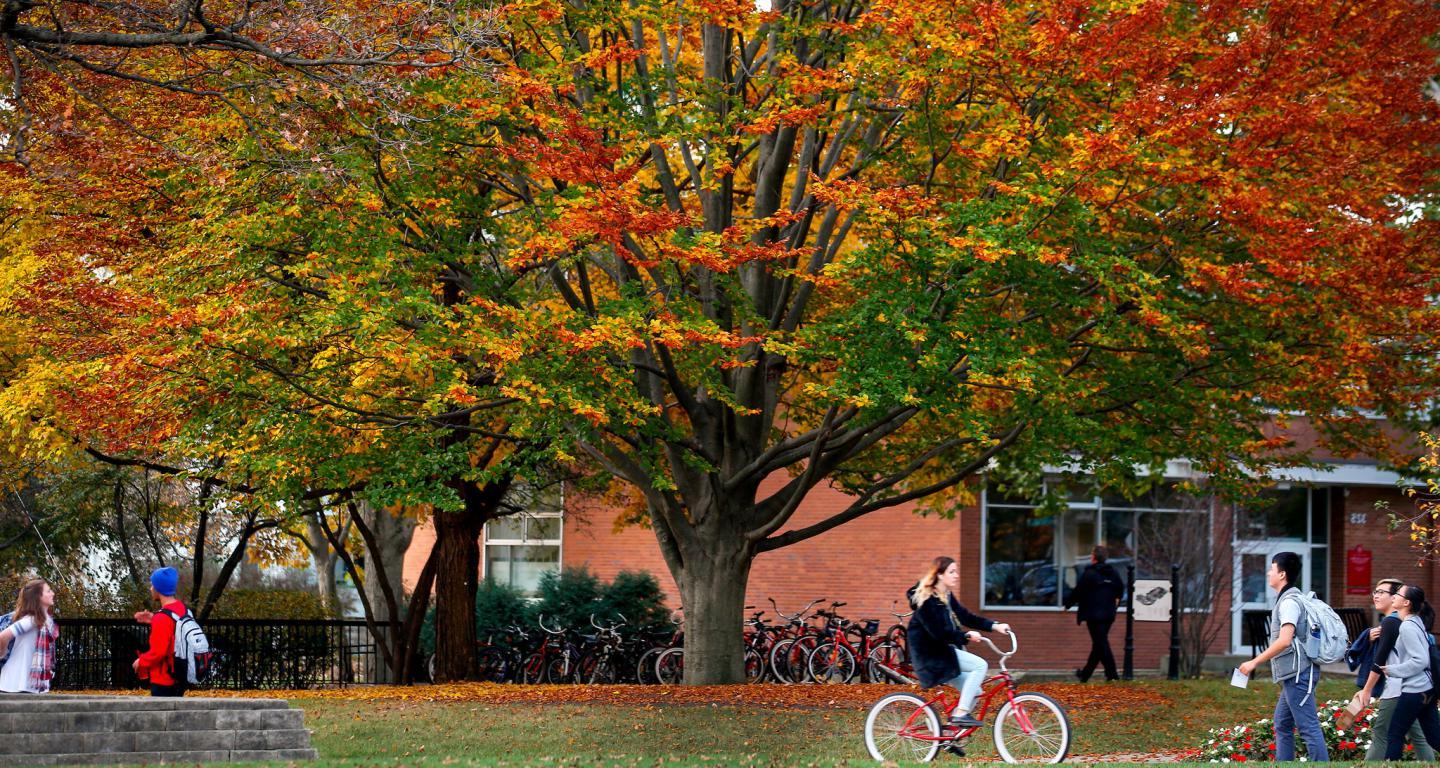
{"points": [[1032, 728], [492, 665], [645, 667], [754, 666], [831, 663], [901, 727], [886, 663], [670, 666]]}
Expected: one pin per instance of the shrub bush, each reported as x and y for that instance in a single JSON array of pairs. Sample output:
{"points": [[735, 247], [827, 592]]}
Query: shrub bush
{"points": [[566, 599], [270, 604]]}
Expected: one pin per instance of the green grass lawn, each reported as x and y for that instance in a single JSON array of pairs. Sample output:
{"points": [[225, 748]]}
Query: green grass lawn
{"points": [[427, 733]]}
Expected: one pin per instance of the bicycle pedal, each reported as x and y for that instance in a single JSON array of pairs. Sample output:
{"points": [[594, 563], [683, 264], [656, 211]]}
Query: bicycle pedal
{"points": [[955, 749]]}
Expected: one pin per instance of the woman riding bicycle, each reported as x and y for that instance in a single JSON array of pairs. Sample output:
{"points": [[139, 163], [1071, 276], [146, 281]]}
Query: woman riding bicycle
{"points": [[938, 640]]}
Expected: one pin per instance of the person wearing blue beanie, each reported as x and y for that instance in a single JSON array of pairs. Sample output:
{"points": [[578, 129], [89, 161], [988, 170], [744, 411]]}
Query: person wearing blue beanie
{"points": [[164, 581], [157, 664]]}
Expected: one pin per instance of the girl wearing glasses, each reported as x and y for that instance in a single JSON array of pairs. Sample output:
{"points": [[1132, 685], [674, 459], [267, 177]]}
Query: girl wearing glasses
{"points": [[1407, 678]]}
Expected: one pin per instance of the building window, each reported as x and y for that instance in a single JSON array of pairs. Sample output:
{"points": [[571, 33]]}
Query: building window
{"points": [[522, 547], [1034, 556]]}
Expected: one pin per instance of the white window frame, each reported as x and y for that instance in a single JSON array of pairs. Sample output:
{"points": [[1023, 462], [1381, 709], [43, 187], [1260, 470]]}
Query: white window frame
{"points": [[527, 516]]}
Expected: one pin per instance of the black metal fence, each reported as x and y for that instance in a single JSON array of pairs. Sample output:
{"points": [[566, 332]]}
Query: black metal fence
{"points": [[248, 653]]}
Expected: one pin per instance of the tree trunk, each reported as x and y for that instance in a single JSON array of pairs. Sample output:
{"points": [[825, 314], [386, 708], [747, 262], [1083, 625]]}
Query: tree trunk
{"points": [[457, 577], [392, 533], [387, 537], [323, 556], [712, 589]]}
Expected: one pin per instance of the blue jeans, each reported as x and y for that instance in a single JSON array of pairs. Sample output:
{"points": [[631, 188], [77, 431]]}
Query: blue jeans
{"points": [[1292, 715], [972, 673]]}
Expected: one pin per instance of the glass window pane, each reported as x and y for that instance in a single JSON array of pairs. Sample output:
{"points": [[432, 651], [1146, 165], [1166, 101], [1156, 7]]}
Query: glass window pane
{"points": [[1320, 572], [1320, 516], [530, 563], [1252, 578], [994, 495], [1073, 491], [1120, 539], [497, 563], [505, 529], [1278, 514], [1178, 538], [1076, 544], [542, 528], [1019, 558]]}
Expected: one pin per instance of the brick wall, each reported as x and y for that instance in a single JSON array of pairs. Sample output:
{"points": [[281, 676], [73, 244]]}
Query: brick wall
{"points": [[870, 562], [1391, 554]]}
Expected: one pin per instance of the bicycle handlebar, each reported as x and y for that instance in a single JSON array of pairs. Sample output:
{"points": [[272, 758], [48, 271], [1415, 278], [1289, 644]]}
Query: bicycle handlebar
{"points": [[541, 621], [1014, 646], [797, 616]]}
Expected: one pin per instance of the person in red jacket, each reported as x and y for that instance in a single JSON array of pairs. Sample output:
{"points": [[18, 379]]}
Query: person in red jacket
{"points": [[157, 665]]}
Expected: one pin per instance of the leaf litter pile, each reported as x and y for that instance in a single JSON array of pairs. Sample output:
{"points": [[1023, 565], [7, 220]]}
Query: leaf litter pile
{"points": [[1088, 698]]}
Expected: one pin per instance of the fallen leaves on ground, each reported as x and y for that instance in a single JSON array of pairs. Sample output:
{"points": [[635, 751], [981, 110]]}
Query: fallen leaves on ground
{"points": [[1089, 699]]}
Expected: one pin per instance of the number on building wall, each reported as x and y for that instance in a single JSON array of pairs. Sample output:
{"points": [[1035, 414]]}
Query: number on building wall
{"points": [[1359, 518]]}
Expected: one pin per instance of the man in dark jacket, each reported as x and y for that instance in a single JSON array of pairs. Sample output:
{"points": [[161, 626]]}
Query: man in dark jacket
{"points": [[1097, 594]]}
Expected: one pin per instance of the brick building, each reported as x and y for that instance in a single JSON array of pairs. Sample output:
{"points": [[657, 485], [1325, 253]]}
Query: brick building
{"points": [[1019, 562]]}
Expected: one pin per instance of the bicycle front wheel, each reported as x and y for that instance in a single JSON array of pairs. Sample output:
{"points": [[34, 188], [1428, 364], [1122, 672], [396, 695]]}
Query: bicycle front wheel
{"points": [[1032, 728], [901, 727]]}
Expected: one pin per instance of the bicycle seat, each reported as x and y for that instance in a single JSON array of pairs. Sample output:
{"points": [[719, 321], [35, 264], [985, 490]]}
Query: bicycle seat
{"points": [[590, 638]]}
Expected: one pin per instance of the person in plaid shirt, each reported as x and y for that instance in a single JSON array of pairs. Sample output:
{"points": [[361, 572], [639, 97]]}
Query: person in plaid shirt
{"points": [[31, 663]]}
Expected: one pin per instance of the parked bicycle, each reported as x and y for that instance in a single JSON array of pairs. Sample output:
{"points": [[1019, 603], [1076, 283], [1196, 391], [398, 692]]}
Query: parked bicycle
{"points": [[1028, 727]]}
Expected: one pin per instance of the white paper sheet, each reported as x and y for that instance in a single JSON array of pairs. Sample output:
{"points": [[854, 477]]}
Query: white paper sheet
{"points": [[1239, 679]]}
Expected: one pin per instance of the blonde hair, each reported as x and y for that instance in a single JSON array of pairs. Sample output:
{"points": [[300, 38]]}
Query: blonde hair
{"points": [[930, 584], [28, 603]]}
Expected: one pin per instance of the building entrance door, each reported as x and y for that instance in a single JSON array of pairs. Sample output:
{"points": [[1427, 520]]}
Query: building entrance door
{"points": [[1252, 595]]}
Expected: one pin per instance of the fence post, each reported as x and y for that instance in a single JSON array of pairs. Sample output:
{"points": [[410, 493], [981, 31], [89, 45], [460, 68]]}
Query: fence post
{"points": [[1130, 622], [1175, 611]]}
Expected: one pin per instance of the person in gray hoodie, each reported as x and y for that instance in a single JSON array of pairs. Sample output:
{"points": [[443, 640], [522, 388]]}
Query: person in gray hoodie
{"points": [[1407, 676]]}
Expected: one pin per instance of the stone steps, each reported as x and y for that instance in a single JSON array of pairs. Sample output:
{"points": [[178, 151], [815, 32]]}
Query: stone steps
{"points": [[92, 730]]}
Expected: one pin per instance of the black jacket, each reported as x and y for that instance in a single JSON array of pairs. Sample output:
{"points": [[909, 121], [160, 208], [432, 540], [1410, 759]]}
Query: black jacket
{"points": [[933, 636], [1098, 593]]}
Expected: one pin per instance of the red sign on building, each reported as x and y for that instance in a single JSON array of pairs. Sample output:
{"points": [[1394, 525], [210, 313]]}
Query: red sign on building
{"points": [[1357, 571]]}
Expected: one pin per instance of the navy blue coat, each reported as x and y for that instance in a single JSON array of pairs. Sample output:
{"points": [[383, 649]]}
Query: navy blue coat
{"points": [[933, 638]]}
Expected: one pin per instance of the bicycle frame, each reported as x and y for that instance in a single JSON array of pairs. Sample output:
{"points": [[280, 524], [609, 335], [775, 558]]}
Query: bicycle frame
{"points": [[994, 686]]}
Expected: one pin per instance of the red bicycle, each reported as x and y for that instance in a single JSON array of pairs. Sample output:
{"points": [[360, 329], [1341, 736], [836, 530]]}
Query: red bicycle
{"points": [[1029, 727]]}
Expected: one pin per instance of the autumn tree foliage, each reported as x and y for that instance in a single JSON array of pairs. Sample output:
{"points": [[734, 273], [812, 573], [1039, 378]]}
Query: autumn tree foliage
{"points": [[732, 254], [881, 245]]}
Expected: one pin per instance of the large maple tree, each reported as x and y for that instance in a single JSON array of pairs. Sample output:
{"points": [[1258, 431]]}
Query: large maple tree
{"points": [[882, 245]]}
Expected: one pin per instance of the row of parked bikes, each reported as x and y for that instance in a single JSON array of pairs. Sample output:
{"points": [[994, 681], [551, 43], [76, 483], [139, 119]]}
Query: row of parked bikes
{"points": [[809, 646]]}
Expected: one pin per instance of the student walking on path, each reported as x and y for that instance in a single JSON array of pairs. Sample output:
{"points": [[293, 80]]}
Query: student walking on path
{"points": [[1097, 593], [157, 664], [1408, 673], [1371, 651], [31, 665], [1292, 671]]}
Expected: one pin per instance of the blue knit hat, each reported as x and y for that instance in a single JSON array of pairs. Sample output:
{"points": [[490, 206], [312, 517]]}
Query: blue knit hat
{"points": [[165, 580]]}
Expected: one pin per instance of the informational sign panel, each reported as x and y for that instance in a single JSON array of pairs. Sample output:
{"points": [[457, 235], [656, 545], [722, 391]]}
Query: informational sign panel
{"points": [[1152, 600], [1357, 571]]}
